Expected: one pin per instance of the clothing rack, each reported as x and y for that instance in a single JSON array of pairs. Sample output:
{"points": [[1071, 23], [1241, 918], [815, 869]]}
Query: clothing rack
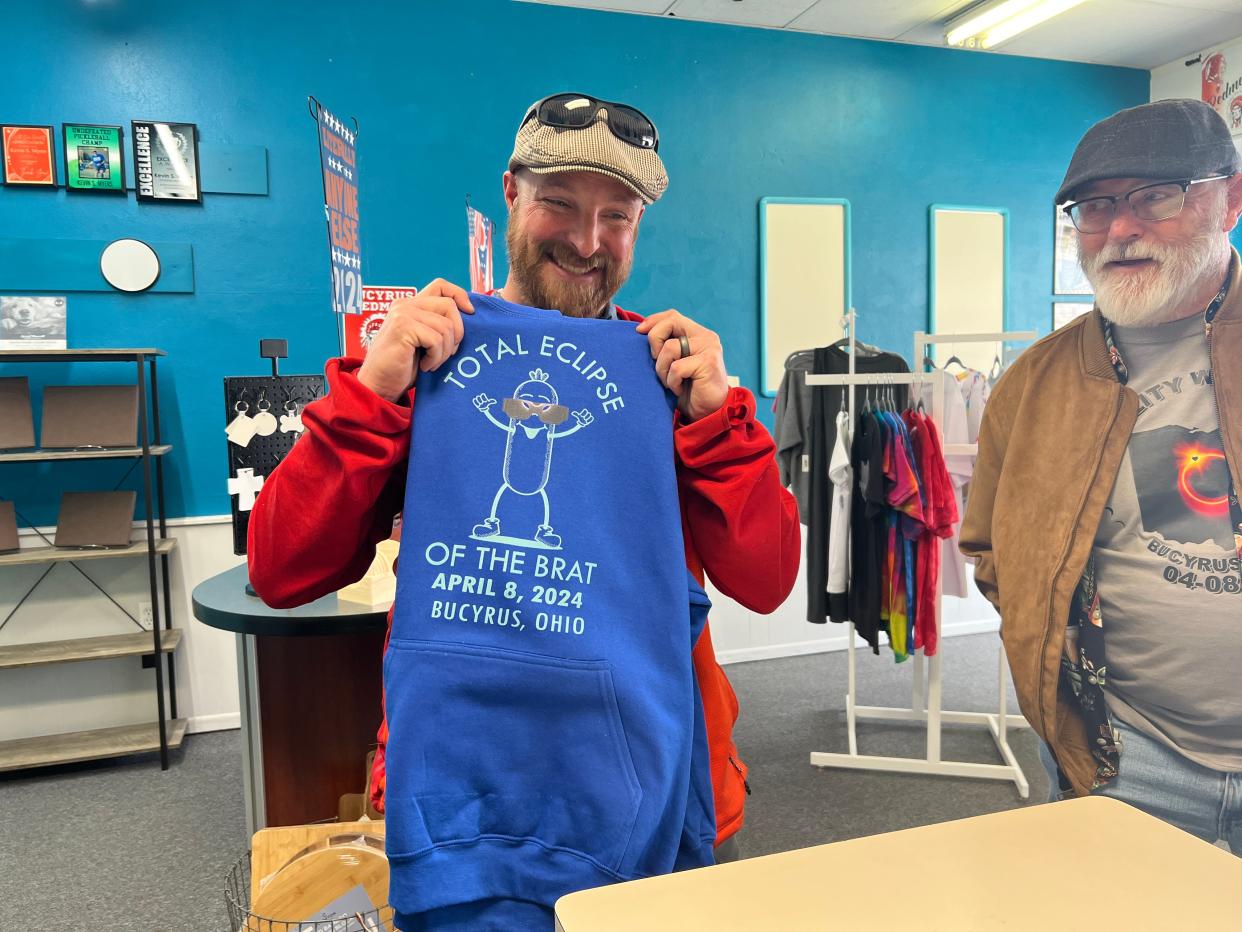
{"points": [[925, 705]]}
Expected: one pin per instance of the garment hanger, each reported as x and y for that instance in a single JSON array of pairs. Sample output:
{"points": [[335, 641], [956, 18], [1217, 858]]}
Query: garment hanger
{"points": [[953, 359], [997, 370], [796, 355], [861, 348]]}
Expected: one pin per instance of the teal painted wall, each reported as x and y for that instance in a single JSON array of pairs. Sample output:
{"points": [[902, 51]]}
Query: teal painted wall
{"points": [[438, 89]]}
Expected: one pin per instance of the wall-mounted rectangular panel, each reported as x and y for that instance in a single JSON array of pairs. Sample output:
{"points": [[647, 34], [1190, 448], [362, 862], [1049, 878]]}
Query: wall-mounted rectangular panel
{"points": [[804, 278], [55, 266], [228, 169], [233, 169], [969, 259]]}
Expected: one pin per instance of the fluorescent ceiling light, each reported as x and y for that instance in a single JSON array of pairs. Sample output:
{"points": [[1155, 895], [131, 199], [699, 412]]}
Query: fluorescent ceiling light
{"points": [[989, 25]]}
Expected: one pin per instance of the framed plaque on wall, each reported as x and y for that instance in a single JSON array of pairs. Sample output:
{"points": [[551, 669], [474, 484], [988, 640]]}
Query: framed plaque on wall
{"points": [[166, 161], [29, 155], [94, 158]]}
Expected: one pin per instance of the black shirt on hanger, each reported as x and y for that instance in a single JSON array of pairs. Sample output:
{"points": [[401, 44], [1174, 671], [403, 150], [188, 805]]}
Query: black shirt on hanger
{"points": [[826, 402], [868, 530]]}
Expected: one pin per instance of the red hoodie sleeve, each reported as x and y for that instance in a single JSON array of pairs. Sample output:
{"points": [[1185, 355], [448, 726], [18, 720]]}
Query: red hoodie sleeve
{"points": [[743, 523], [321, 512]]}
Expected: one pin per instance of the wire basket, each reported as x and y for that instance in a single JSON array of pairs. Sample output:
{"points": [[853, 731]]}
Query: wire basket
{"points": [[241, 919]]}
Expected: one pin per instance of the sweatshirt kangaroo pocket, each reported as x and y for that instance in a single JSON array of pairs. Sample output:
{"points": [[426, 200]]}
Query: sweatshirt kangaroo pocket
{"points": [[506, 745]]}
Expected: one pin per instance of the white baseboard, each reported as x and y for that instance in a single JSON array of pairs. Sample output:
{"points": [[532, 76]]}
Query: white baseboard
{"points": [[224, 721], [840, 642]]}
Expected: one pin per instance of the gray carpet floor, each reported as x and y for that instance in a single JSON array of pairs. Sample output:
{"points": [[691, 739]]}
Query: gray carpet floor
{"points": [[794, 706], [124, 847], [119, 846]]}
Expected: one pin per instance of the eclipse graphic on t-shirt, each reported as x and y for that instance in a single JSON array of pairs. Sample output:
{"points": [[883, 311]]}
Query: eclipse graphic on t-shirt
{"points": [[1194, 461], [1182, 481]]}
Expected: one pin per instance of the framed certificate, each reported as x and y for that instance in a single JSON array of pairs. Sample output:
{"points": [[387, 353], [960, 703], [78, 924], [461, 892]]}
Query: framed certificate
{"points": [[166, 161], [29, 155], [94, 158]]}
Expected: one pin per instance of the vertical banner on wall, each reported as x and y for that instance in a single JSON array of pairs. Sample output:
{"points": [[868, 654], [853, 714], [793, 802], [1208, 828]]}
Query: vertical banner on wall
{"points": [[360, 329], [481, 233], [338, 158]]}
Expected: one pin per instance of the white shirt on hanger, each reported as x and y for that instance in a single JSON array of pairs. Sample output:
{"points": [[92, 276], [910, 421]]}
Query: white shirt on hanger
{"points": [[975, 390], [841, 474], [955, 427]]}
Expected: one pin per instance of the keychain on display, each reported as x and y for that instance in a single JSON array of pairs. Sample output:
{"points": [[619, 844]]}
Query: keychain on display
{"points": [[264, 421], [245, 486], [291, 420], [241, 429]]}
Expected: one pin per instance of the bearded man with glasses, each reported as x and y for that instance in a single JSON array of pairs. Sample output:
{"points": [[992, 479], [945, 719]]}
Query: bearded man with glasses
{"points": [[1104, 512], [581, 175]]}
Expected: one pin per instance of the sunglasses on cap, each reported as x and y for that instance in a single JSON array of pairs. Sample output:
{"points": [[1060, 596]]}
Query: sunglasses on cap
{"points": [[578, 111], [520, 409]]}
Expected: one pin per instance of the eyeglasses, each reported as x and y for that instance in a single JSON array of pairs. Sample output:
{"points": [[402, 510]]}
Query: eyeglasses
{"points": [[578, 111], [520, 409], [1160, 201]]}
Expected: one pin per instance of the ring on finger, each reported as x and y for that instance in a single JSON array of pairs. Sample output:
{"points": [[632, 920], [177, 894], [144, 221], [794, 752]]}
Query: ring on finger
{"points": [[685, 346]]}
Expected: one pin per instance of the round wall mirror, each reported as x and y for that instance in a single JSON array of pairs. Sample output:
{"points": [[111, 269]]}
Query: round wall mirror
{"points": [[129, 265]]}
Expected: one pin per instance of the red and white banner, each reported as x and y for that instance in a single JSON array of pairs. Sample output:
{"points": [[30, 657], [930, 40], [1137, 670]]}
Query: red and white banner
{"points": [[481, 233], [360, 329]]}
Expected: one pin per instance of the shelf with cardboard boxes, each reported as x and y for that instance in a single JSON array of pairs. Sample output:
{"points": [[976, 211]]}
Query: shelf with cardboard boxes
{"points": [[94, 422]]}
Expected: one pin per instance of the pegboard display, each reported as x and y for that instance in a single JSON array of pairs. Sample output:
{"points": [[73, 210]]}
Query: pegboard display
{"points": [[251, 446]]}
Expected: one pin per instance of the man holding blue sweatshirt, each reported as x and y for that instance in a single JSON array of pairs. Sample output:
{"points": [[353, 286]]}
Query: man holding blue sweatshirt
{"points": [[558, 718]]}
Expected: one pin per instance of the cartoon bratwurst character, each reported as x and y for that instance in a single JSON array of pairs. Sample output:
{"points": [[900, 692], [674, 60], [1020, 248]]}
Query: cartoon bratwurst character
{"points": [[528, 450]]}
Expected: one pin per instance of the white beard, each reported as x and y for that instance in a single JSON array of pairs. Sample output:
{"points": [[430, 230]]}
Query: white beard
{"points": [[1155, 295]]}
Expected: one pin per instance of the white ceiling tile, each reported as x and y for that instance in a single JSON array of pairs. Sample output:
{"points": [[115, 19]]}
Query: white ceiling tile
{"points": [[1220, 6], [620, 6], [775, 13], [931, 32], [880, 19], [1131, 33], [1127, 33], [928, 33]]}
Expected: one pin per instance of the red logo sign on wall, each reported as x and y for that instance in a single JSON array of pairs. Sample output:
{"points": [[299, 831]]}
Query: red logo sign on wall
{"points": [[360, 329], [1222, 92]]}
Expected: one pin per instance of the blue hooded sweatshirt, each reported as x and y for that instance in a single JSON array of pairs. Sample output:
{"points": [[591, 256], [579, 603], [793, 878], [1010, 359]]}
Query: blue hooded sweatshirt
{"points": [[546, 733]]}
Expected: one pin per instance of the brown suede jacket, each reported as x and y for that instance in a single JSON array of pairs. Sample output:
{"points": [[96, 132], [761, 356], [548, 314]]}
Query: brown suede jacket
{"points": [[1052, 441]]}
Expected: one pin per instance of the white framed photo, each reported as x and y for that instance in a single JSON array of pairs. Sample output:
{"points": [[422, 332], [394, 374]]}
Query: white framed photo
{"points": [[1065, 311], [1067, 274], [32, 322]]}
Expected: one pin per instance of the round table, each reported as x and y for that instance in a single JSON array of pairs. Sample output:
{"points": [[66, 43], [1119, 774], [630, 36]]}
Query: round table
{"points": [[311, 686]]}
